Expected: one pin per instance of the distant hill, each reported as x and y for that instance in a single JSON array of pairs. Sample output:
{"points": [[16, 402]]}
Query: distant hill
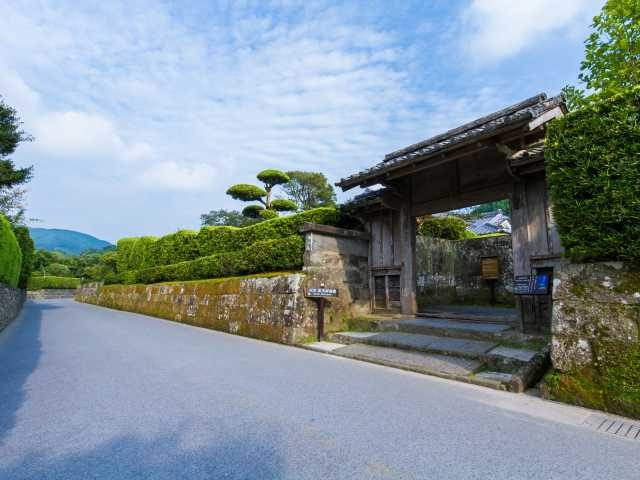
{"points": [[68, 242]]}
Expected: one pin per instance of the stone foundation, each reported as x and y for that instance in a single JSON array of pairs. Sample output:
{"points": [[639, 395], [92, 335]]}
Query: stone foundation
{"points": [[11, 301], [596, 343]]}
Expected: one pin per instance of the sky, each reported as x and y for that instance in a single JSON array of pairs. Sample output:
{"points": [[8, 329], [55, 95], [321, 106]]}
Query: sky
{"points": [[143, 113]]}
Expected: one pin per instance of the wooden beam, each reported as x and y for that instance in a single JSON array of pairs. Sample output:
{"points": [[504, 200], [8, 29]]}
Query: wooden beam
{"points": [[546, 117], [463, 199]]}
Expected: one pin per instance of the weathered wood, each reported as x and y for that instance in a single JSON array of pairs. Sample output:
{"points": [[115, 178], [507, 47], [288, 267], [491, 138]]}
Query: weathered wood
{"points": [[408, 303], [387, 240], [464, 199], [536, 208], [545, 117]]}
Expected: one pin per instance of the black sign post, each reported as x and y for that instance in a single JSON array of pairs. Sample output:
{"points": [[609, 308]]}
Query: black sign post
{"points": [[320, 295]]}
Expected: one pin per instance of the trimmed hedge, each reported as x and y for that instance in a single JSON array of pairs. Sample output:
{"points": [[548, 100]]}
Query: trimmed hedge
{"points": [[185, 245], [593, 173], [28, 250], [263, 256], [10, 255], [49, 281]]}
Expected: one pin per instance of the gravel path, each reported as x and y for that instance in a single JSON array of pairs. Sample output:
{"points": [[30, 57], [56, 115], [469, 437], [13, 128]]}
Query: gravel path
{"points": [[91, 393]]}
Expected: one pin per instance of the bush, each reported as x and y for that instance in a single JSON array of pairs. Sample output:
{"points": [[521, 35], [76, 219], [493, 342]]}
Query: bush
{"points": [[450, 228], [50, 281], [263, 256], [147, 252], [10, 255], [58, 270], [593, 173], [28, 250]]}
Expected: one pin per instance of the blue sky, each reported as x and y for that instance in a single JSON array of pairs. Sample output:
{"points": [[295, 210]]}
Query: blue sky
{"points": [[144, 112]]}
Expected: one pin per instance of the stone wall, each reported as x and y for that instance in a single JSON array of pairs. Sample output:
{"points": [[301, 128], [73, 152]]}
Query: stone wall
{"points": [[50, 293], [449, 271], [269, 307], [595, 336], [11, 301], [339, 258]]}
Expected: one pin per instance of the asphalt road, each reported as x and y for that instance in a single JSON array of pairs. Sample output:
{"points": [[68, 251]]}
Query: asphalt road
{"points": [[91, 393]]}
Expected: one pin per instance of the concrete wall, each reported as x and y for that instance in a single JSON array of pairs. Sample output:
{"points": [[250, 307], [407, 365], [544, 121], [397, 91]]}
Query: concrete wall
{"points": [[449, 271], [11, 301]]}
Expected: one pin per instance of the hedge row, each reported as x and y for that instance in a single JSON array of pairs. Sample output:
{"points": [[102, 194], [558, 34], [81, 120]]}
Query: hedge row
{"points": [[593, 172], [28, 250], [185, 245], [264, 256], [49, 281], [10, 255]]}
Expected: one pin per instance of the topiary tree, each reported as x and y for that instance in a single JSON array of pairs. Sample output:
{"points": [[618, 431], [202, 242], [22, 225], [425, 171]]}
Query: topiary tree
{"points": [[252, 193]]}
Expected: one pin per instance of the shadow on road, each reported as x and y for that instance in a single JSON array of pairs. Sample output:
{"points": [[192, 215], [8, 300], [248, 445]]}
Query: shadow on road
{"points": [[20, 351], [230, 455]]}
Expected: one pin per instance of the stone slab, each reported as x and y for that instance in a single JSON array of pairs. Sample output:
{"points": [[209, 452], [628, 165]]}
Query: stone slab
{"points": [[324, 347], [520, 354], [429, 343], [496, 376], [447, 324], [420, 362]]}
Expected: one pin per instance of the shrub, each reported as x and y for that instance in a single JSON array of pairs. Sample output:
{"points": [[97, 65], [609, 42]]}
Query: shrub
{"points": [[58, 270], [10, 255], [50, 281], [263, 256], [147, 252], [450, 228], [593, 173], [28, 250]]}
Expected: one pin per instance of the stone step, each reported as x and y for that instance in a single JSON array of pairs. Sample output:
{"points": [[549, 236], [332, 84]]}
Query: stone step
{"points": [[471, 313], [461, 347], [444, 366], [445, 327]]}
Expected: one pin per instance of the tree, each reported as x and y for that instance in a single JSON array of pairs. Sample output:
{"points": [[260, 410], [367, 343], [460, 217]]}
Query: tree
{"points": [[12, 204], [309, 190], [11, 135], [231, 218], [612, 53], [450, 228], [269, 208], [26, 246], [504, 205]]}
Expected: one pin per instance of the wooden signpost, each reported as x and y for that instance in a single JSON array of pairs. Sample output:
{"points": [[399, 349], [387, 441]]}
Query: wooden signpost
{"points": [[320, 296]]}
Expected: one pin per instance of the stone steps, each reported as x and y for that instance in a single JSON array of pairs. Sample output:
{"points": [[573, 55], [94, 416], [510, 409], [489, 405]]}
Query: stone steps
{"points": [[484, 354], [445, 327], [472, 314]]}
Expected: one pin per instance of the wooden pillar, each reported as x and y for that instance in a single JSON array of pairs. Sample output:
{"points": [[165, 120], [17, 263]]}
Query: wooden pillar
{"points": [[408, 304]]}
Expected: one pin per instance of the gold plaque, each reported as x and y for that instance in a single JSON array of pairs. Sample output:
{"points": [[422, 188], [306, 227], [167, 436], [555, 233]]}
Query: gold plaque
{"points": [[489, 268]]}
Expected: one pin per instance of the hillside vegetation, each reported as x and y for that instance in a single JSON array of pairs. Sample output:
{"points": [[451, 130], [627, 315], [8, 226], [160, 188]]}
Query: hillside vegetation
{"points": [[68, 242]]}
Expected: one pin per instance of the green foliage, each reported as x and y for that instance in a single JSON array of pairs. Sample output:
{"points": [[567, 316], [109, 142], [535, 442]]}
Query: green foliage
{"points": [[450, 228], [10, 255], [146, 252], [272, 178], [11, 135], [267, 214], [26, 247], [593, 173], [246, 192], [221, 217], [283, 205], [49, 281], [504, 205], [309, 190], [263, 256], [253, 211], [612, 51], [251, 193], [59, 270]]}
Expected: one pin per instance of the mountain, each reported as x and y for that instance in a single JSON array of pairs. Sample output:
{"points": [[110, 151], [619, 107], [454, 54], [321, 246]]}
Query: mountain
{"points": [[66, 241]]}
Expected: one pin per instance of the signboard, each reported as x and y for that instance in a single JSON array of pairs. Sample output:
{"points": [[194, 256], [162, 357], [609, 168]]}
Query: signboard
{"points": [[531, 284], [522, 285], [489, 268], [322, 292]]}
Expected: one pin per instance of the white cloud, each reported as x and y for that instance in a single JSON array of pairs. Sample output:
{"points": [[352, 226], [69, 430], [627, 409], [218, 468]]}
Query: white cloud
{"points": [[497, 29], [173, 176]]}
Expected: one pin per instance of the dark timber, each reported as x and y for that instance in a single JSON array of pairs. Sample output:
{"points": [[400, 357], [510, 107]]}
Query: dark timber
{"points": [[498, 156]]}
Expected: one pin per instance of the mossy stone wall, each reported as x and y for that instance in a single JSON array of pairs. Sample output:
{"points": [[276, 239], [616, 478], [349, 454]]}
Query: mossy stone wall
{"points": [[596, 341], [270, 307]]}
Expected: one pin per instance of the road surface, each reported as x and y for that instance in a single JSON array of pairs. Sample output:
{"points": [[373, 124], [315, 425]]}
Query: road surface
{"points": [[87, 392]]}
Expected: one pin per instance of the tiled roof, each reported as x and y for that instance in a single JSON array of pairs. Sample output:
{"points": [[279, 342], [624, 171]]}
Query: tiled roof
{"points": [[515, 114]]}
